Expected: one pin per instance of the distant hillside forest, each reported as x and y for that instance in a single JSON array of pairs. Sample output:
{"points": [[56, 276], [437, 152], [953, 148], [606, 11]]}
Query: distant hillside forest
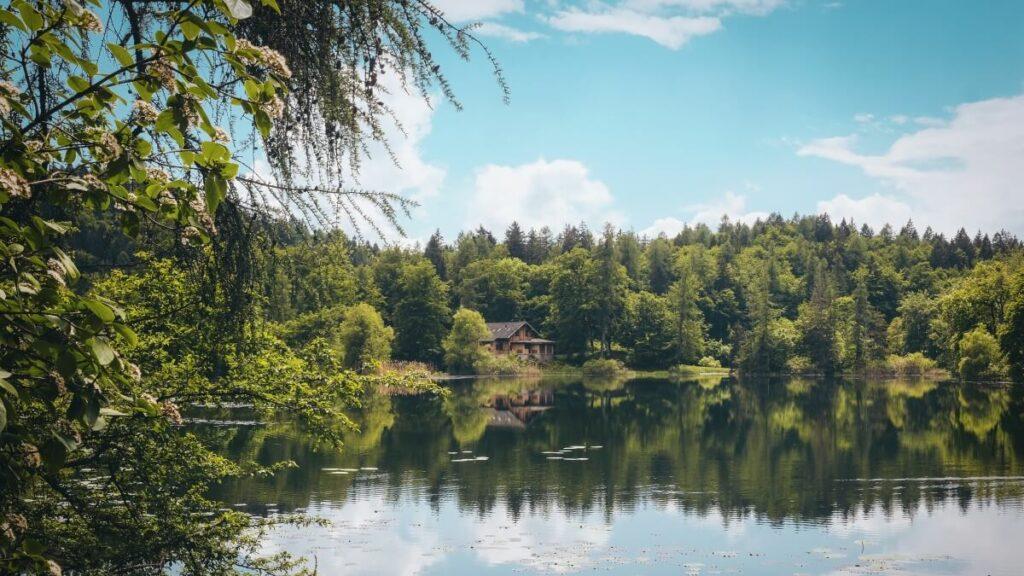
{"points": [[798, 295]]}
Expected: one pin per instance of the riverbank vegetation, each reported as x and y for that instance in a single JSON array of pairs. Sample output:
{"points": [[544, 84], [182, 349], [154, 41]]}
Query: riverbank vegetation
{"points": [[802, 295]]}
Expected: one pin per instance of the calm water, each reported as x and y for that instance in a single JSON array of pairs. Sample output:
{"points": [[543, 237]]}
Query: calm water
{"points": [[698, 477]]}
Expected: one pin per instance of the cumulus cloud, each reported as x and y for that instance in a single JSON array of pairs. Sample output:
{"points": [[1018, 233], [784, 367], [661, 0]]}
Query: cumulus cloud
{"points": [[671, 23], [509, 33], [875, 210], [542, 193], [963, 172], [473, 10], [730, 204]]}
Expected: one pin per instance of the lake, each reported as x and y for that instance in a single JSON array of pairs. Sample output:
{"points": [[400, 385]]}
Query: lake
{"points": [[705, 476]]}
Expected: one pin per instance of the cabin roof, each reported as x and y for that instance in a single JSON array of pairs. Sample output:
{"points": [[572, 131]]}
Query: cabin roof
{"points": [[505, 330]]}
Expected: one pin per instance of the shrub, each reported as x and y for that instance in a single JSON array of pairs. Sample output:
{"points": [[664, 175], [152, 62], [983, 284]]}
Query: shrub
{"points": [[913, 364], [463, 351], [603, 367], [799, 365], [980, 356], [504, 365], [709, 362], [364, 339]]}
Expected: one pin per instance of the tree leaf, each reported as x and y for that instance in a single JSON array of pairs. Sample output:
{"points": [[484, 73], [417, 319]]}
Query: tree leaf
{"points": [[101, 310], [239, 9], [102, 350]]}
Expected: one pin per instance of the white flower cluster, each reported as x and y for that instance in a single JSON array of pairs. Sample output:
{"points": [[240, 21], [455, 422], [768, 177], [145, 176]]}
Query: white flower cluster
{"points": [[8, 92], [274, 108], [55, 269], [253, 55], [14, 184], [144, 112], [104, 143], [168, 199], [164, 73], [205, 219], [158, 175]]}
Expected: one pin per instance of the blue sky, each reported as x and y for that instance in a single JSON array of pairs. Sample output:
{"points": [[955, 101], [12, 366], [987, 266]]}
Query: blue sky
{"points": [[655, 113]]}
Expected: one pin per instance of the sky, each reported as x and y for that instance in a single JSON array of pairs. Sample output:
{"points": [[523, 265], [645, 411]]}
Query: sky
{"points": [[653, 114]]}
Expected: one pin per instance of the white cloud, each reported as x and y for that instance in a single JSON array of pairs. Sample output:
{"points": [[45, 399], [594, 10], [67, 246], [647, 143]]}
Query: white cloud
{"points": [[863, 118], [964, 172], [669, 226], [756, 7], [474, 10], [731, 204], [672, 32], [671, 23], [875, 210], [412, 176], [540, 193], [710, 213], [506, 32], [405, 171]]}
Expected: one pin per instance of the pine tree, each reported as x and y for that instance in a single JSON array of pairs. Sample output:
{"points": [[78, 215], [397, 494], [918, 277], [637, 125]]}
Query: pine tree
{"points": [[434, 252], [514, 242]]}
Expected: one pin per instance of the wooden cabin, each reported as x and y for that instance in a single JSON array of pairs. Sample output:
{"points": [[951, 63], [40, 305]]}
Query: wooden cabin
{"points": [[521, 339]]}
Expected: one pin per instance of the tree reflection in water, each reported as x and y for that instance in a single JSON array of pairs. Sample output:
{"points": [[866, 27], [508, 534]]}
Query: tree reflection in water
{"points": [[806, 451]]}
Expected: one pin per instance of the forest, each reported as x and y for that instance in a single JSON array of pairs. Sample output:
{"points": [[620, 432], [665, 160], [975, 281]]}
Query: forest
{"points": [[803, 295]]}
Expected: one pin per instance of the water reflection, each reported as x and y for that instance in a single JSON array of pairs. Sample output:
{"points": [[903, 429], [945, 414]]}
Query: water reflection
{"points": [[772, 476]]}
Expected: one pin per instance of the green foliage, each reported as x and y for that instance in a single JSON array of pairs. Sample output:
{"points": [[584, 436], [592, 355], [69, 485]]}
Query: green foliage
{"points": [[463, 347], [365, 340], [1011, 333], [650, 334], [603, 368], [113, 125], [980, 356], [495, 287], [709, 362], [913, 364], [421, 313]]}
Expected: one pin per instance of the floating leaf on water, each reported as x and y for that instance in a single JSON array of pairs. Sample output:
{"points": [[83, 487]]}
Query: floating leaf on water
{"points": [[483, 458], [464, 460], [467, 451], [369, 468], [595, 447], [555, 458]]}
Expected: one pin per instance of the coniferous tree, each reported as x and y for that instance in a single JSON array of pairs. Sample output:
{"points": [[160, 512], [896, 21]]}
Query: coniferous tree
{"points": [[659, 265], [817, 323], [608, 283], [515, 243], [434, 252]]}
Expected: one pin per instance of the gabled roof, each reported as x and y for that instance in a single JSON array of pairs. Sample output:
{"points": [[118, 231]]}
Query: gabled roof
{"points": [[505, 330]]}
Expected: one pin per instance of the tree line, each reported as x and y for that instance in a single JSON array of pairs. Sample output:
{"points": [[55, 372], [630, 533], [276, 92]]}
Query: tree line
{"points": [[797, 295]]}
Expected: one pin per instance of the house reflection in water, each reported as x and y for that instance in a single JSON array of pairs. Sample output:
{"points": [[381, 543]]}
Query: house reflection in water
{"points": [[517, 410]]}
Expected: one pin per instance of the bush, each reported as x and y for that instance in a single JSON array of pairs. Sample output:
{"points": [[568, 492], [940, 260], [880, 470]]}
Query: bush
{"points": [[709, 362], [913, 364], [980, 356], [364, 339], [799, 365], [603, 367], [504, 365], [463, 351]]}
